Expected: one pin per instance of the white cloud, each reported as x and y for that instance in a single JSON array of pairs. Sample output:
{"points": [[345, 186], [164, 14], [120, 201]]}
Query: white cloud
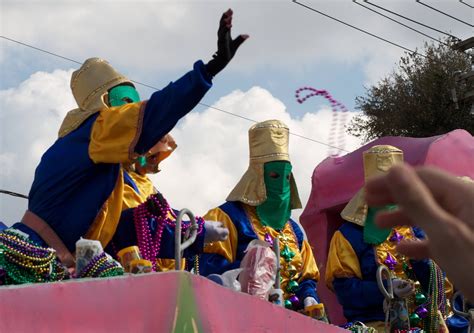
{"points": [[212, 149], [7, 164], [29, 120]]}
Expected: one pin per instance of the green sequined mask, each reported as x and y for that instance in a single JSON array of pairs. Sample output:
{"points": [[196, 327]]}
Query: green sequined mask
{"points": [[123, 94], [276, 211], [372, 233]]}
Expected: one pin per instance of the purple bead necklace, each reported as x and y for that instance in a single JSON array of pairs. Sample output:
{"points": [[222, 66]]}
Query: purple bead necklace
{"points": [[149, 242]]}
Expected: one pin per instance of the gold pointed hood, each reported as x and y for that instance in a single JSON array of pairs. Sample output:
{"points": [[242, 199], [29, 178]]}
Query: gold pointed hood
{"points": [[377, 160], [89, 85], [268, 142]]}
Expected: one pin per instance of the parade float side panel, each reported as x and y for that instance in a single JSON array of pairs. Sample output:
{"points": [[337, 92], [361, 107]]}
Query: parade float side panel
{"points": [[156, 302]]}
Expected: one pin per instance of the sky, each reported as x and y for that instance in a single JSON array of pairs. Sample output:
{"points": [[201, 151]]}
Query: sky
{"points": [[155, 42]]}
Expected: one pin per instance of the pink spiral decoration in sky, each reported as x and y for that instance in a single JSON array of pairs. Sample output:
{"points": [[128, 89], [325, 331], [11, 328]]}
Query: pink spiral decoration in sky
{"points": [[336, 139]]}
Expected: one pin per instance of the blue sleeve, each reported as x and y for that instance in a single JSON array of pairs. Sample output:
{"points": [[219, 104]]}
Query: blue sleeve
{"points": [[167, 244], [197, 247], [167, 106], [419, 233], [357, 293], [210, 263], [307, 288], [421, 268]]}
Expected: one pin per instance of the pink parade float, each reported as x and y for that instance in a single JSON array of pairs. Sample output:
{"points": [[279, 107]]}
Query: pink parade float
{"points": [[190, 303], [179, 301], [336, 221], [156, 302], [336, 180]]}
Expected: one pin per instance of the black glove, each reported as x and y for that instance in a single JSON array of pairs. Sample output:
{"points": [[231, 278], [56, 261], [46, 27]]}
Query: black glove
{"points": [[226, 46], [151, 205]]}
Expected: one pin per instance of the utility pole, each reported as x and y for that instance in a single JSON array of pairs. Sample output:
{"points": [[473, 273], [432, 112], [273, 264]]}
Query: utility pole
{"points": [[467, 77]]}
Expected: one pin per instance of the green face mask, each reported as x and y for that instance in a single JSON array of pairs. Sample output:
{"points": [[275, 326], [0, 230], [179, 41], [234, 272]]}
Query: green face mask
{"points": [[372, 233], [276, 211], [123, 94]]}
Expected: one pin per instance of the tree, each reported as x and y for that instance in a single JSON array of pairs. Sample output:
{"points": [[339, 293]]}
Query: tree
{"points": [[416, 98]]}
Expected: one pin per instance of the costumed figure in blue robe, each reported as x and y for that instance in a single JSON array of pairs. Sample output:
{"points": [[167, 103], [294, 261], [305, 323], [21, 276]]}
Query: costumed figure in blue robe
{"points": [[359, 248], [259, 207], [139, 190], [78, 188]]}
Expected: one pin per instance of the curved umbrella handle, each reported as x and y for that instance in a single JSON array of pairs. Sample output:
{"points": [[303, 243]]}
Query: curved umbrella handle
{"points": [[178, 246], [388, 294]]}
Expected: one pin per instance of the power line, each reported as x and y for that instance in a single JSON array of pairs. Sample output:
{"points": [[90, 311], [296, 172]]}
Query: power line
{"points": [[41, 50], [254, 121], [14, 194], [441, 12], [157, 89], [402, 24], [466, 4], [65, 58], [230, 113], [356, 28], [411, 20]]}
